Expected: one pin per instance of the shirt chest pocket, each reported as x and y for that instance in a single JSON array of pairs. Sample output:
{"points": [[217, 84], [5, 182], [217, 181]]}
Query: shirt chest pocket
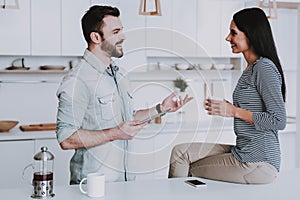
{"points": [[108, 106]]}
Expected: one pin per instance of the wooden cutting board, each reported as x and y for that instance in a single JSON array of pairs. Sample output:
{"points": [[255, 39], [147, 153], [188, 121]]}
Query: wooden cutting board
{"points": [[39, 127], [49, 67]]}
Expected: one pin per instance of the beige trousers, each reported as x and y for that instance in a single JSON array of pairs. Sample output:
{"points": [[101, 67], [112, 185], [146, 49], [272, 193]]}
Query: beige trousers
{"points": [[215, 161]]}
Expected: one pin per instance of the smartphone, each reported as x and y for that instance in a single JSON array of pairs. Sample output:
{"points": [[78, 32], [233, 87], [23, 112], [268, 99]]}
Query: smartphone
{"points": [[195, 183], [152, 117]]}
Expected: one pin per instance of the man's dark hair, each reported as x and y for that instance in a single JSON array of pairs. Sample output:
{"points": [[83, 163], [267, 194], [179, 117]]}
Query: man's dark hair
{"points": [[92, 21]]}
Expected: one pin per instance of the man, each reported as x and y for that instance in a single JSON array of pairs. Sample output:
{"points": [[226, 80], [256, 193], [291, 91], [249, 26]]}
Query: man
{"points": [[95, 112]]}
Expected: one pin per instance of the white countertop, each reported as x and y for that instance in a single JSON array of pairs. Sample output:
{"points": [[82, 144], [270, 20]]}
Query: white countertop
{"points": [[201, 127], [284, 187], [17, 134], [164, 128]]}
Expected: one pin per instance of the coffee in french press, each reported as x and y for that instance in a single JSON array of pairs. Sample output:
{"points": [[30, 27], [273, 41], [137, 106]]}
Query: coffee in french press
{"points": [[43, 174]]}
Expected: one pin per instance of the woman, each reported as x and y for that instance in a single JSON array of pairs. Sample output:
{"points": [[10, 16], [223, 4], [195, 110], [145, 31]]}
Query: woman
{"points": [[258, 109]]}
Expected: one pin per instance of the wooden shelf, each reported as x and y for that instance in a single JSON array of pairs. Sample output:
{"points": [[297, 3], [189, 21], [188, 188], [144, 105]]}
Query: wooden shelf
{"points": [[33, 71], [288, 5]]}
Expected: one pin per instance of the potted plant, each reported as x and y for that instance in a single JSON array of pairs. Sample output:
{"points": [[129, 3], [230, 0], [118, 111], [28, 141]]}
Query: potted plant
{"points": [[180, 84], [180, 87]]}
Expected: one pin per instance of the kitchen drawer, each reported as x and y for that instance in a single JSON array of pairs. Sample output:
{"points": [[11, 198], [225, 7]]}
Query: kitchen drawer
{"points": [[15, 155]]}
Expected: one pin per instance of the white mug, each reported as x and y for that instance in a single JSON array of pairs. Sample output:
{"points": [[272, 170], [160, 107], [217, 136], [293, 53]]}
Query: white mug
{"points": [[95, 185]]}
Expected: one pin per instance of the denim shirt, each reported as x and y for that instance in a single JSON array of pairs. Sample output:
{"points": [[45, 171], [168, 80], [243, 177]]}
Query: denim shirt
{"points": [[90, 99]]}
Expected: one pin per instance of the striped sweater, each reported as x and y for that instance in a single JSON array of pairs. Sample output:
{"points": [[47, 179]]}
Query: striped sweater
{"points": [[259, 90]]}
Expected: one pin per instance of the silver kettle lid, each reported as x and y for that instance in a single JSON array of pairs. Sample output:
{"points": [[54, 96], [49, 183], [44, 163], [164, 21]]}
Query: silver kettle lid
{"points": [[44, 154]]}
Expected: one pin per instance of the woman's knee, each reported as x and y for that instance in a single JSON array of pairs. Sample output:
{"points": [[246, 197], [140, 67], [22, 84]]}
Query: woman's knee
{"points": [[179, 149], [264, 173]]}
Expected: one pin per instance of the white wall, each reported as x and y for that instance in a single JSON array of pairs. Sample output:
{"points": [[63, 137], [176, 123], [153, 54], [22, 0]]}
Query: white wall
{"points": [[298, 97]]}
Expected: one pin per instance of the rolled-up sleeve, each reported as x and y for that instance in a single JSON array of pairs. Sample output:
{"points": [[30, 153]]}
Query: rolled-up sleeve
{"points": [[269, 87], [73, 101]]}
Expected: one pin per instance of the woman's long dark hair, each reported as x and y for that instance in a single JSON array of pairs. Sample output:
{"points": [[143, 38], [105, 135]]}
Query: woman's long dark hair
{"points": [[254, 23]]}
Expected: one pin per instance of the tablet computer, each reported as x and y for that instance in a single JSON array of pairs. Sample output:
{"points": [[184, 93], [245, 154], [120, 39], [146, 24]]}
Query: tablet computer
{"points": [[153, 117]]}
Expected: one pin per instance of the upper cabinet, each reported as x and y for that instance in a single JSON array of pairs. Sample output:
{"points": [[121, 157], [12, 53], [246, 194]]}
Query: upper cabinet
{"points": [[214, 18], [175, 32], [56, 27], [45, 27], [286, 41], [208, 28], [184, 26], [159, 31], [193, 28], [105, 2], [15, 30], [228, 8], [185, 29], [72, 42], [134, 29]]}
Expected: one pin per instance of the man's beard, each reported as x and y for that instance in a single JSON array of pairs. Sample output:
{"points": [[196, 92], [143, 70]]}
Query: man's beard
{"points": [[112, 49]]}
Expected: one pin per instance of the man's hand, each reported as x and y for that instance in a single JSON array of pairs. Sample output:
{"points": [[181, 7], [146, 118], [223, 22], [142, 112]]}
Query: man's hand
{"points": [[127, 130], [174, 103]]}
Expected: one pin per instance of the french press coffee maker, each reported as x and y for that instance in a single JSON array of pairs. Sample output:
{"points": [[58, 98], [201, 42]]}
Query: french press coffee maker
{"points": [[42, 181]]}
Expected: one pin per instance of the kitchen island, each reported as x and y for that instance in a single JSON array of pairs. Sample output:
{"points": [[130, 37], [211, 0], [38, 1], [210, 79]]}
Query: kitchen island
{"points": [[151, 148], [284, 187]]}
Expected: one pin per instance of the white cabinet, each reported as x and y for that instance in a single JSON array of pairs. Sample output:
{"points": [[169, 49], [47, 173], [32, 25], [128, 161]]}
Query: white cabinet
{"points": [[29, 102], [15, 156], [15, 30], [196, 28], [208, 28], [163, 146], [141, 152], [61, 160], [72, 42], [43, 28], [228, 8], [214, 18], [291, 98], [184, 26], [46, 27], [286, 42], [135, 33], [288, 150], [56, 27], [134, 30], [288, 52], [49, 27], [159, 31], [114, 3], [152, 149], [175, 32]]}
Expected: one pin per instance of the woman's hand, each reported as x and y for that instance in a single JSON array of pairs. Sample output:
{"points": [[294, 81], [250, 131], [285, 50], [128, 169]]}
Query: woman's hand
{"points": [[173, 103], [219, 107]]}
